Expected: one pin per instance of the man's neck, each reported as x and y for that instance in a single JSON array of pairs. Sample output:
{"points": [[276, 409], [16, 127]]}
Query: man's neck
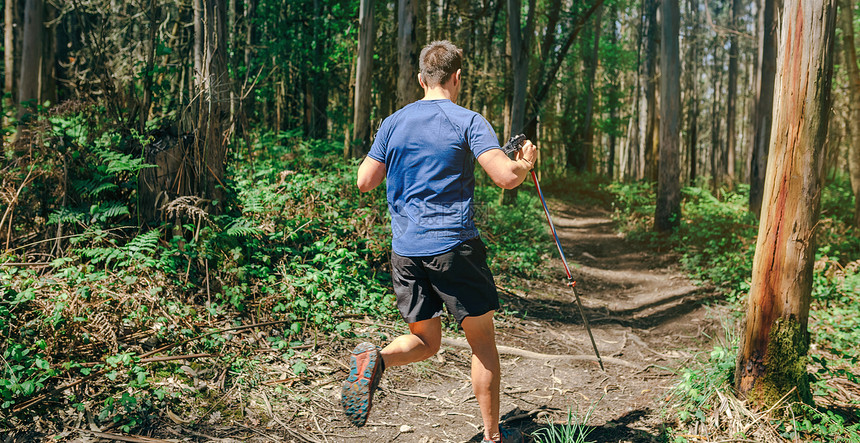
{"points": [[438, 93]]}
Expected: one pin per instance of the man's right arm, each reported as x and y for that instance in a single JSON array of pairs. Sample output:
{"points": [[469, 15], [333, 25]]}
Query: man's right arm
{"points": [[507, 173], [370, 174]]}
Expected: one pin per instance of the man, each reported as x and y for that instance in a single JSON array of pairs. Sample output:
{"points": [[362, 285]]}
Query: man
{"points": [[426, 151]]}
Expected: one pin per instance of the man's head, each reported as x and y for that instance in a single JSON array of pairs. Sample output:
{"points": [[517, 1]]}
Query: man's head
{"points": [[439, 61]]}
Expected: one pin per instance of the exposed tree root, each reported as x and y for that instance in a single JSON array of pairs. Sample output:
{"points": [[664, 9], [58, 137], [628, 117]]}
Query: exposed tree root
{"points": [[507, 350]]}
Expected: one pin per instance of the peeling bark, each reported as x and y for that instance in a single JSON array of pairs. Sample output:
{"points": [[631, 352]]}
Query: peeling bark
{"points": [[775, 338]]}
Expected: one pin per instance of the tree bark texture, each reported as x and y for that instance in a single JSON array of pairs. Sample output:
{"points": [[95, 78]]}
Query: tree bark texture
{"points": [[588, 131], [9, 53], [520, 43], [767, 50], [31, 54], [732, 97], [772, 355], [692, 90], [648, 117], [849, 48], [408, 89], [364, 69], [667, 214]]}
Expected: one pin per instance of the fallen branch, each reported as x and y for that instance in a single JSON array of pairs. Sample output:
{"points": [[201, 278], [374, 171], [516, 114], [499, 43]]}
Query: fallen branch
{"points": [[507, 350], [117, 437]]}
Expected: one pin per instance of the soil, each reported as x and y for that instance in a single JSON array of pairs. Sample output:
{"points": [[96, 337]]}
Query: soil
{"points": [[647, 317], [644, 313]]}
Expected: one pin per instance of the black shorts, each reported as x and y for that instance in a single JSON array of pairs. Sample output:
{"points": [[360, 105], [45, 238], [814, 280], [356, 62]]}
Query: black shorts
{"points": [[460, 279]]}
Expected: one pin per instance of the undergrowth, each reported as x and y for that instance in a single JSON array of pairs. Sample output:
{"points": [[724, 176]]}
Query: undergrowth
{"points": [[88, 291], [716, 243]]}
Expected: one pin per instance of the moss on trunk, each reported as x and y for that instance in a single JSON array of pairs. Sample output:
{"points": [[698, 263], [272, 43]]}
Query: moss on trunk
{"points": [[785, 365]]}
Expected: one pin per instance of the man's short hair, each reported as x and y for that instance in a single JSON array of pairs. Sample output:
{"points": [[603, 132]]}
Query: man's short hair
{"points": [[438, 61]]}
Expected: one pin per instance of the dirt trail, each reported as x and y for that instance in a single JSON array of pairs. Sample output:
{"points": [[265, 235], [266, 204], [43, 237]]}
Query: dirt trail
{"points": [[642, 309]]}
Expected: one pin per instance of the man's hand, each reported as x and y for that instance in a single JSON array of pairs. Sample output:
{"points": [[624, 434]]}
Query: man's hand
{"points": [[528, 153]]}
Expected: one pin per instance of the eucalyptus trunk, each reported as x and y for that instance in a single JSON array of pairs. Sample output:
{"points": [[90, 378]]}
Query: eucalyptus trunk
{"points": [[667, 214], [31, 54], [773, 352], [849, 48], [408, 89], [764, 101], [364, 69]]}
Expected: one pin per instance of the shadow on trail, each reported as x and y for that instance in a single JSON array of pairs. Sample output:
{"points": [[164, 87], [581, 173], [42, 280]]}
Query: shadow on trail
{"points": [[619, 429], [662, 310]]}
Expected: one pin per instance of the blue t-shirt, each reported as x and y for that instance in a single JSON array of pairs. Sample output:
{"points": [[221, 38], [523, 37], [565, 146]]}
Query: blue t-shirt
{"points": [[429, 149]]}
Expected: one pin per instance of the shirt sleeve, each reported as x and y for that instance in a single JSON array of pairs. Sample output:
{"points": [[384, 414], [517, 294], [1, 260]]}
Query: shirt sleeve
{"points": [[481, 136], [380, 143]]}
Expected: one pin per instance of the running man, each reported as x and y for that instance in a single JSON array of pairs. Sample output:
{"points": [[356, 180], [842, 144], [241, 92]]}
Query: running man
{"points": [[426, 153]]}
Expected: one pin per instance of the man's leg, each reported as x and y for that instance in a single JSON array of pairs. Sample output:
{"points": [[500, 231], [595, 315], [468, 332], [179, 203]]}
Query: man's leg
{"points": [[486, 372], [421, 344]]}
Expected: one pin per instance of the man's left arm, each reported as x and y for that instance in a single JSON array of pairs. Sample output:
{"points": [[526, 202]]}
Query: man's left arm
{"points": [[371, 173]]}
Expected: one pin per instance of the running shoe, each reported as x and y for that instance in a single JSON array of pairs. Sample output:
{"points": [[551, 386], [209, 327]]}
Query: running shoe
{"points": [[365, 370]]}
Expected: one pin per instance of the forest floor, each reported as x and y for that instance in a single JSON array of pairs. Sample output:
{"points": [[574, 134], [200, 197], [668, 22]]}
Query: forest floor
{"points": [[647, 317]]}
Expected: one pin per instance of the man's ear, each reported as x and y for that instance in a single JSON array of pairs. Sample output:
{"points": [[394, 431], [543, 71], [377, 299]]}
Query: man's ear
{"points": [[421, 81], [457, 75]]}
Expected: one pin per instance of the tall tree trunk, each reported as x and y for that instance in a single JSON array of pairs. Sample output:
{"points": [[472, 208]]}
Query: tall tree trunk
{"points": [[649, 117], [197, 11], [520, 41], [732, 96], [588, 132], [692, 89], [848, 46], [150, 62], [364, 69], [8, 58], [716, 148], [772, 356], [667, 215], [613, 100], [31, 54], [213, 114], [408, 89], [634, 133], [764, 100]]}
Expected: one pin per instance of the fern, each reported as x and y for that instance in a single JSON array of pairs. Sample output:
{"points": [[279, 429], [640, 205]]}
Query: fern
{"points": [[117, 162], [66, 216], [107, 210], [242, 227], [140, 250]]}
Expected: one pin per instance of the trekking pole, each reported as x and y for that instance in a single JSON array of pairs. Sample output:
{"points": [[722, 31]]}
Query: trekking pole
{"points": [[513, 145]]}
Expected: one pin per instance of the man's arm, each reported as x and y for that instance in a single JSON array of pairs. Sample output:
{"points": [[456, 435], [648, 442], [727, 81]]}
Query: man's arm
{"points": [[507, 173], [370, 174]]}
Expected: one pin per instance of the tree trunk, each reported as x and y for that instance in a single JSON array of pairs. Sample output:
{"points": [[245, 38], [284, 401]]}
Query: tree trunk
{"points": [[8, 58], [772, 355], [848, 46], [588, 132], [364, 68], [716, 148], [31, 54], [692, 89], [197, 50], [767, 50], [732, 96], [667, 215], [520, 41], [150, 62], [649, 121], [634, 134], [408, 89]]}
